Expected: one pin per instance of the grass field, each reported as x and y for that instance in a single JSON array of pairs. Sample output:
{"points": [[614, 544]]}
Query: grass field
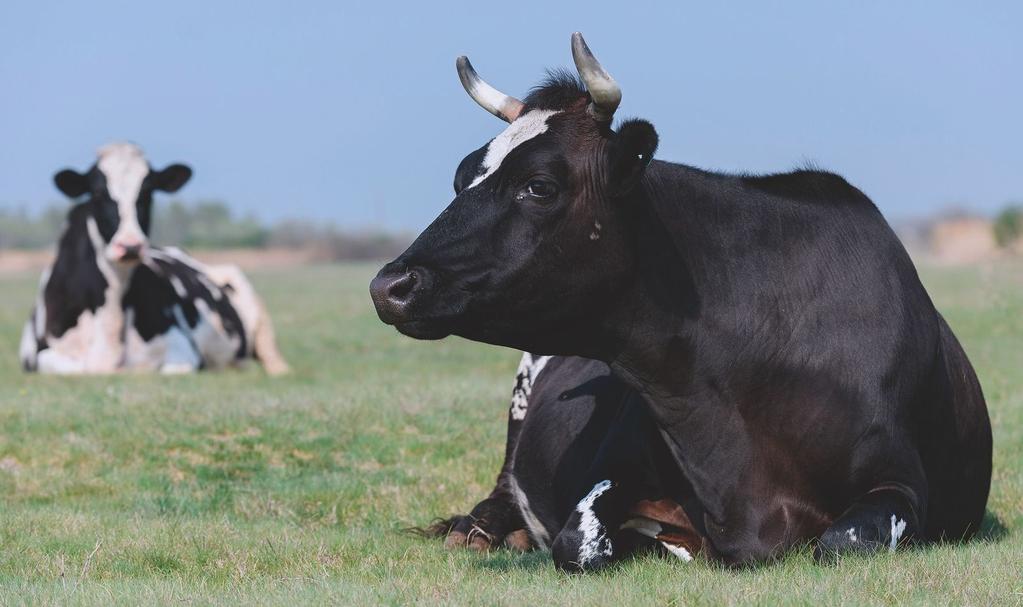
{"points": [[235, 488]]}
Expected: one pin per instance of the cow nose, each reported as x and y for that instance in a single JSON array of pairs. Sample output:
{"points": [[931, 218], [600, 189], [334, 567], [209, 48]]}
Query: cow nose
{"points": [[132, 252], [393, 292]]}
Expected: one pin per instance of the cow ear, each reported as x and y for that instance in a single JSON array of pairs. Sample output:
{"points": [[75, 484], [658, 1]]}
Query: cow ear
{"points": [[72, 183], [172, 178], [631, 151]]}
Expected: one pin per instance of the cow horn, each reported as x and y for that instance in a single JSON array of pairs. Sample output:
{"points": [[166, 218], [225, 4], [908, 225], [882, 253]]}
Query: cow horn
{"points": [[604, 91], [503, 106]]}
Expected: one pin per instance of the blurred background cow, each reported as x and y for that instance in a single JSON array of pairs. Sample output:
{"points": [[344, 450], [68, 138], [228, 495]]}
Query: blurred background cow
{"points": [[110, 301]]}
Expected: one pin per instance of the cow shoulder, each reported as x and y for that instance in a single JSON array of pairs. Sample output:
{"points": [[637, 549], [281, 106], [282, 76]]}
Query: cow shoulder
{"points": [[75, 284]]}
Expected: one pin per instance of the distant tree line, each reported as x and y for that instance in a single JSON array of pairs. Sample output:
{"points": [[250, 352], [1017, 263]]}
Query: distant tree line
{"points": [[1009, 225], [212, 225]]}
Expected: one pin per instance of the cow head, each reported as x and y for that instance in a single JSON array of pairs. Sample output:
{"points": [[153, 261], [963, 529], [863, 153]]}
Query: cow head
{"points": [[535, 240], [120, 187]]}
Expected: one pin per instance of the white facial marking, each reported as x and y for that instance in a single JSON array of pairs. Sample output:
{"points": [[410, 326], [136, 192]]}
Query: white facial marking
{"points": [[536, 528], [124, 167], [851, 532], [529, 369], [526, 127], [678, 551], [898, 528], [595, 541]]}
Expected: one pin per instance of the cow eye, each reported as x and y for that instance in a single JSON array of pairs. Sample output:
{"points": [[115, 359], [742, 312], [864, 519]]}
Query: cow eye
{"points": [[538, 189]]}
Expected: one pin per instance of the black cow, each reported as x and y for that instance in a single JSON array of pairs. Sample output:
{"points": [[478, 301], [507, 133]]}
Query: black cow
{"points": [[804, 384], [111, 302]]}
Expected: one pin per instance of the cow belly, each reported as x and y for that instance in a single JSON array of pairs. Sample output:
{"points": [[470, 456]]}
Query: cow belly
{"points": [[169, 352]]}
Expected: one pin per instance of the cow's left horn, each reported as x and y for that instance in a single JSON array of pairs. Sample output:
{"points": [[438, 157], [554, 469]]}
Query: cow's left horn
{"points": [[603, 89], [503, 106]]}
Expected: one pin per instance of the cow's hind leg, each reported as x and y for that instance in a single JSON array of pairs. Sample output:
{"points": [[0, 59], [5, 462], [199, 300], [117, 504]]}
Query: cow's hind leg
{"points": [[883, 519]]}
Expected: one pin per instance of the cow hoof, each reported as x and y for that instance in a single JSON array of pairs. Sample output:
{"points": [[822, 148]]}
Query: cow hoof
{"points": [[838, 542], [455, 540], [463, 533], [478, 544], [518, 541]]}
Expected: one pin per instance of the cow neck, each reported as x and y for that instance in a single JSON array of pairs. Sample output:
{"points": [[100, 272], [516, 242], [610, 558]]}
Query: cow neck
{"points": [[653, 324], [651, 319]]}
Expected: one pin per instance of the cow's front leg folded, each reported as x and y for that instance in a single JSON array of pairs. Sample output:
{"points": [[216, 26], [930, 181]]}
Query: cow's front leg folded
{"points": [[589, 541], [493, 522]]}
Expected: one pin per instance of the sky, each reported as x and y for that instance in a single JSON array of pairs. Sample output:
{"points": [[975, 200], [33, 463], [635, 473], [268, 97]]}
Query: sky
{"points": [[352, 113]]}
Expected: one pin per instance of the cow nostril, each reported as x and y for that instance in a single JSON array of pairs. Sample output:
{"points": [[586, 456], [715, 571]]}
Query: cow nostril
{"points": [[402, 287], [132, 252]]}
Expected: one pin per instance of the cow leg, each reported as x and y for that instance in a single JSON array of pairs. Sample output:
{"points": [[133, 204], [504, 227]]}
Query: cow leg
{"points": [[181, 355], [589, 540], [491, 523], [497, 519], [628, 469], [882, 519]]}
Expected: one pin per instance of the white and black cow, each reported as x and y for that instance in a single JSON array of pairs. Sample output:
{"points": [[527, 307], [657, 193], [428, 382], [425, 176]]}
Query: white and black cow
{"points": [[111, 302], [571, 420]]}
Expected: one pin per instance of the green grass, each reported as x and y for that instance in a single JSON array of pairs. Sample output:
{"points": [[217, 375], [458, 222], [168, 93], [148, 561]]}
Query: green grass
{"points": [[235, 488]]}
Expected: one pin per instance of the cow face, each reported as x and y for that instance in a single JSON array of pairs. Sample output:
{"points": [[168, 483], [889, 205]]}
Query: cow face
{"points": [[535, 239], [120, 187]]}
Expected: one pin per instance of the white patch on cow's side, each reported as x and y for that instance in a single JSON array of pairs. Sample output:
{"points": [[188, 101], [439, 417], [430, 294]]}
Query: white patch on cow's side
{"points": [[595, 234], [529, 369], [212, 288], [595, 541], [242, 297], [125, 168], [851, 532], [179, 287], [525, 127], [217, 346], [678, 551], [536, 528], [898, 528]]}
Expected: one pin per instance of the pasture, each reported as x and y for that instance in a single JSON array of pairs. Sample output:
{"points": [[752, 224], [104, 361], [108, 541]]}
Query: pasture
{"points": [[235, 488]]}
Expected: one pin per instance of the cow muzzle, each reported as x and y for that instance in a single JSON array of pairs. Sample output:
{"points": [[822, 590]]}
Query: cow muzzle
{"points": [[127, 252], [393, 293], [401, 294]]}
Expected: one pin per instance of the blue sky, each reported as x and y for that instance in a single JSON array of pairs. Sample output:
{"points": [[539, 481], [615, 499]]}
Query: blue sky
{"points": [[352, 113]]}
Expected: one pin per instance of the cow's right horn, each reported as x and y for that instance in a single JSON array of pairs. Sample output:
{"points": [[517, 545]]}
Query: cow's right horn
{"points": [[503, 106]]}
